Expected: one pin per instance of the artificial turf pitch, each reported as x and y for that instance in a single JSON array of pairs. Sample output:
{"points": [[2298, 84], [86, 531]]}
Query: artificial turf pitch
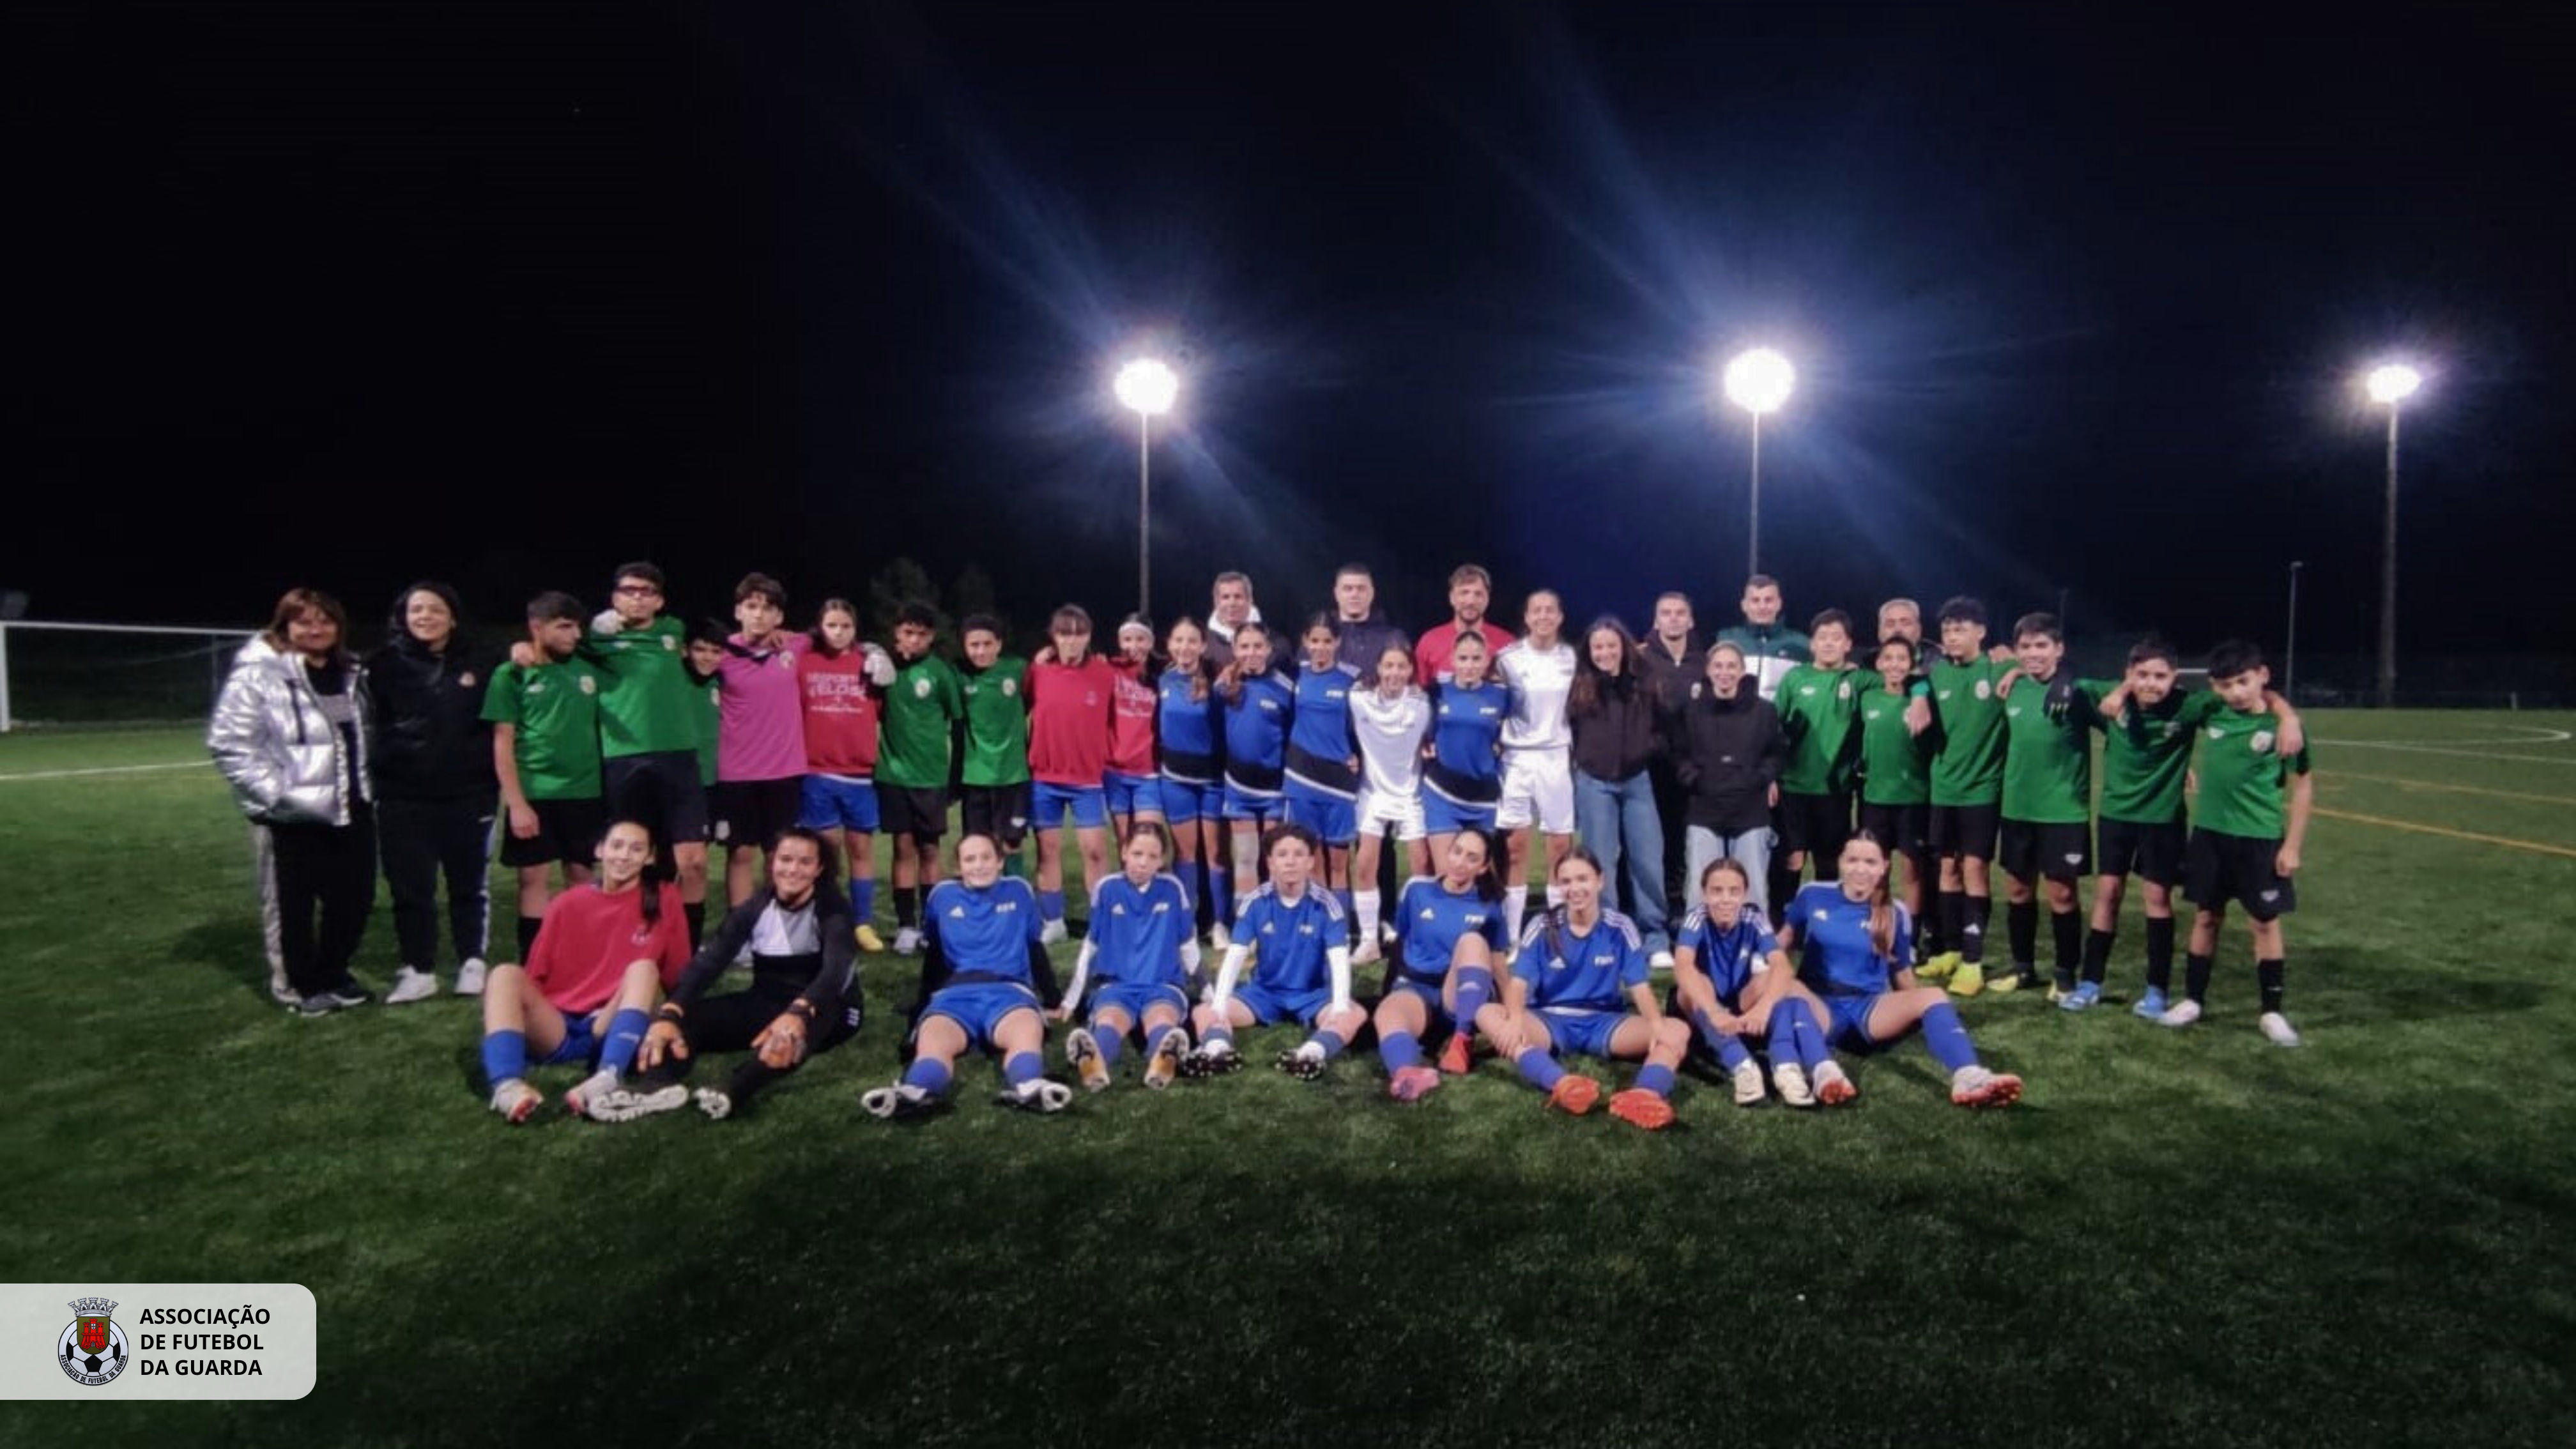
{"points": [[2178, 1237]]}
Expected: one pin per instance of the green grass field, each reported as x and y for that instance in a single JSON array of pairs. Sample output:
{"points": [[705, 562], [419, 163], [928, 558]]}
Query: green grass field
{"points": [[2188, 1237]]}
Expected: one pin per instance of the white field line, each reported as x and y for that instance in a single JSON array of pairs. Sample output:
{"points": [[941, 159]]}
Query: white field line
{"points": [[103, 770], [2524, 736]]}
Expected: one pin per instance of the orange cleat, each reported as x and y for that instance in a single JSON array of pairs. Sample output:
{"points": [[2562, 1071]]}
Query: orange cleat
{"points": [[1832, 1087], [1642, 1108], [1459, 1054], [1575, 1094]]}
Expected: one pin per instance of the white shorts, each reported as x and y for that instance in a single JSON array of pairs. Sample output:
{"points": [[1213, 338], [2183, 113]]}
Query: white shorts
{"points": [[1536, 784], [1398, 815]]}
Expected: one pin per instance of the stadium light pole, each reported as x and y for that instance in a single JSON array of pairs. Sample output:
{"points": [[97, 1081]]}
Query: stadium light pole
{"points": [[1758, 381], [2390, 385], [2290, 644], [1150, 388]]}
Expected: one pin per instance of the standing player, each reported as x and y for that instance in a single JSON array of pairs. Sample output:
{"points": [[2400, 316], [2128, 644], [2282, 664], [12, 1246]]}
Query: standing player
{"points": [[545, 750], [1578, 984], [1390, 721], [842, 682], [1967, 789], [1448, 935], [1613, 714], [1322, 780], [649, 726], [2047, 803], [760, 752], [923, 703], [1895, 770], [1538, 781], [1134, 790], [1819, 706], [435, 791], [1259, 703], [2245, 840], [1730, 749], [1069, 724], [1471, 590], [1462, 763], [1189, 731], [1770, 647], [981, 967], [997, 800], [1301, 945], [1145, 947]]}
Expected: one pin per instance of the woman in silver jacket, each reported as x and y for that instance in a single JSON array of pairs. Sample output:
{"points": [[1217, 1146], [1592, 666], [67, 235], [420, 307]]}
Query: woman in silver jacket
{"points": [[289, 733]]}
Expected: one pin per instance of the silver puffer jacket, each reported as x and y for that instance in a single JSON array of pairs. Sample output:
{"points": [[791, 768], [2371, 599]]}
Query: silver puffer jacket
{"points": [[287, 762]]}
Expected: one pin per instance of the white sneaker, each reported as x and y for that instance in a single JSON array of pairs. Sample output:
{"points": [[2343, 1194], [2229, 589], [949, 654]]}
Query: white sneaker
{"points": [[902, 1099], [1052, 933], [625, 1104], [469, 977], [582, 1101], [716, 1104], [1661, 961], [411, 985], [1039, 1095], [1749, 1087], [516, 1101], [1791, 1079], [1367, 953], [1218, 940], [2277, 1029], [907, 941], [282, 993], [2181, 1013]]}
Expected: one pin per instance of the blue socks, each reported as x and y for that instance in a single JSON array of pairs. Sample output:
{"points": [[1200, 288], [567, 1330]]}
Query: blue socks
{"points": [[1350, 907], [1656, 1078], [1399, 1049], [1110, 1042], [1193, 881], [505, 1056], [1219, 1033], [1050, 906], [928, 1074], [1153, 1039], [1022, 1067], [1947, 1038], [1475, 990], [1540, 1069], [1221, 893], [1795, 1032], [1330, 1041], [1730, 1049], [625, 1033], [863, 899]]}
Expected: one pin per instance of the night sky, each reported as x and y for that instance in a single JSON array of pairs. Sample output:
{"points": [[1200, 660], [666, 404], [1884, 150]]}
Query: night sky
{"points": [[347, 294]]}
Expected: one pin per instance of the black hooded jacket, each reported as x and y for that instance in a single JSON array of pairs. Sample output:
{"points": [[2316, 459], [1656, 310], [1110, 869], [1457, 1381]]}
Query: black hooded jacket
{"points": [[430, 740]]}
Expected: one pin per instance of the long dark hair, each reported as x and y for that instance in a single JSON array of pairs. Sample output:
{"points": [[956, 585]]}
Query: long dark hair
{"points": [[1882, 906], [1591, 682], [1200, 674], [648, 885], [1560, 916], [1489, 876]]}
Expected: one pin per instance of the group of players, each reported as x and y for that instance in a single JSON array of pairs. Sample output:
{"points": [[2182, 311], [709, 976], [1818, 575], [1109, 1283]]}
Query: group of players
{"points": [[1252, 805]]}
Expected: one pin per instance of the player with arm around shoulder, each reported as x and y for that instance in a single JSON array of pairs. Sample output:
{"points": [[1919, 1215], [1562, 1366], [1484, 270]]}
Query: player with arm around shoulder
{"points": [[1143, 946], [1448, 935], [1731, 981]]}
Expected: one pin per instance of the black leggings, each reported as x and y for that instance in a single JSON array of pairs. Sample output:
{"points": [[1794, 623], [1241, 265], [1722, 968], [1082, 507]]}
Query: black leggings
{"points": [[729, 1023], [424, 839], [331, 868]]}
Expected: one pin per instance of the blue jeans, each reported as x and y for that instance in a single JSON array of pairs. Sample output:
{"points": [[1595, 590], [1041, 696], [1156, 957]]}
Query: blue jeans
{"points": [[1616, 819], [1751, 848]]}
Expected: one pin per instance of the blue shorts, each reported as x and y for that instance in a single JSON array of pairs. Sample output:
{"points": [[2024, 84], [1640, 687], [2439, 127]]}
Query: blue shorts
{"points": [[1586, 1032], [580, 1043], [1240, 804], [1435, 1014], [1134, 1000], [1188, 800], [980, 1008], [837, 802], [1334, 820], [1271, 1008], [1847, 1022], [1133, 794], [1444, 816], [1049, 802]]}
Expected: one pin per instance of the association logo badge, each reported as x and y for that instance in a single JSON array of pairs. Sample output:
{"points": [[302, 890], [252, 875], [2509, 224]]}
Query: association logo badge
{"points": [[92, 1348]]}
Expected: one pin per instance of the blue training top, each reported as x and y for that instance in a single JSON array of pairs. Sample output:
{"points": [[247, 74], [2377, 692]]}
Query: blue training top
{"points": [[1256, 733], [1137, 932], [985, 931], [1731, 957], [1569, 970], [1430, 920], [1291, 940], [1320, 740], [1836, 957], [1186, 730], [1466, 729]]}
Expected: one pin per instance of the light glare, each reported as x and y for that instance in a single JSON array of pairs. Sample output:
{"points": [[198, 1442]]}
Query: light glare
{"points": [[1759, 381], [1147, 386], [2394, 382]]}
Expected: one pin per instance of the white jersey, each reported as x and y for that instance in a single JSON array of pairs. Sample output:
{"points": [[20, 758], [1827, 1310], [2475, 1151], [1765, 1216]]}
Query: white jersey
{"points": [[1539, 680], [1390, 733]]}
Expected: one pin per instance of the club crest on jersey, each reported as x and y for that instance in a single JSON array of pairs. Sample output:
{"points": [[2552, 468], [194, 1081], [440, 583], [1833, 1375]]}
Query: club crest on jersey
{"points": [[921, 686], [1011, 687], [2262, 742], [91, 1349], [1985, 690], [465, 680], [1843, 690], [2075, 857], [670, 645]]}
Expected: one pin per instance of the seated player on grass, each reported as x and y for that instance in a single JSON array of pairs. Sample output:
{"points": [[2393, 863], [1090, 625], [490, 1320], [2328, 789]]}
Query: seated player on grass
{"points": [[1143, 943], [1300, 940], [1448, 934], [1578, 984], [803, 999], [1859, 957], [1726, 987], [586, 993], [981, 970]]}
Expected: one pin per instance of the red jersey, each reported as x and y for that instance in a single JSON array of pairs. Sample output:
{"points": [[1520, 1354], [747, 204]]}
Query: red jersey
{"points": [[1431, 655], [1131, 720], [591, 936], [840, 713], [1069, 719]]}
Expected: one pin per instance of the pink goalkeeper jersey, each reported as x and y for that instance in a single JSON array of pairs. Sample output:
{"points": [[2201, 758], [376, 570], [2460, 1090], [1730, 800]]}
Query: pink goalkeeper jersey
{"points": [[763, 711]]}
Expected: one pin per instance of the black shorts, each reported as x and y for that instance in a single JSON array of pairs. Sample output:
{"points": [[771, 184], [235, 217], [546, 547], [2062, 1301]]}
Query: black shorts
{"points": [[919, 811], [2219, 868], [752, 812], [567, 830], [2153, 853], [1966, 830], [1000, 811], [2033, 850], [1903, 829], [1814, 823], [662, 790]]}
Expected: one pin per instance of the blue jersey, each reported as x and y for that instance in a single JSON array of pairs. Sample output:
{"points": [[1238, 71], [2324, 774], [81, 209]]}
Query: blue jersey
{"points": [[1291, 940], [1731, 957], [986, 931], [1256, 733], [1569, 970], [1321, 743], [1137, 932], [1187, 730], [1466, 731], [1430, 920], [1835, 956]]}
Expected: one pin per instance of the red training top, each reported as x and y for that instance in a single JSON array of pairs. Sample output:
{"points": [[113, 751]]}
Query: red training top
{"points": [[840, 713], [1131, 722], [1069, 721], [591, 936], [1431, 654]]}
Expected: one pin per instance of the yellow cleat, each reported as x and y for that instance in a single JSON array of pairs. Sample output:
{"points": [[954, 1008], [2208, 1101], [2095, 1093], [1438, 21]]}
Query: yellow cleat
{"points": [[1937, 969], [1968, 980], [869, 940]]}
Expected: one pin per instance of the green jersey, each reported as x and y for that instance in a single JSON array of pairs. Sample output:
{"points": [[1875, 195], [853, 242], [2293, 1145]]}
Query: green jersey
{"points": [[921, 710], [1819, 708], [709, 721], [553, 714], [645, 703], [2048, 763], [2146, 752], [1894, 765], [997, 724], [2241, 774], [1969, 770]]}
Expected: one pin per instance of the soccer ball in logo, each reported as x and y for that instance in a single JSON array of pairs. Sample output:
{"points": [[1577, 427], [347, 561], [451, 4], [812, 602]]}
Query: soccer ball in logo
{"points": [[92, 1348]]}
